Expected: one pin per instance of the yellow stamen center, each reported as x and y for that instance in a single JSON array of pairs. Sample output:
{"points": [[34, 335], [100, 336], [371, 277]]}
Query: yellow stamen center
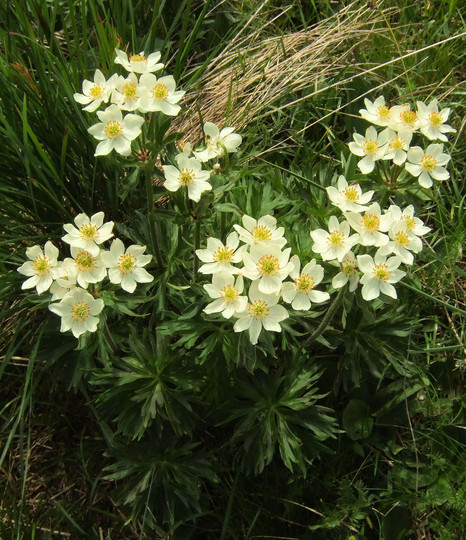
{"points": [[381, 272], [336, 239], [129, 90], [383, 112], [258, 309], [402, 238], [85, 261], [126, 263], [351, 193], [396, 143], [370, 147], [137, 58], [408, 117], [428, 163], [229, 294], [223, 254], [304, 283], [113, 129], [41, 265], [435, 119], [96, 91], [348, 268], [160, 91], [370, 222], [186, 177], [268, 265], [261, 233], [410, 223], [89, 231], [80, 311]]}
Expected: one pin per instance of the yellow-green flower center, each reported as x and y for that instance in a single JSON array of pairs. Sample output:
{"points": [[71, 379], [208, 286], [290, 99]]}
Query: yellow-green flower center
{"points": [[258, 309], [80, 311], [229, 294], [96, 91], [435, 119], [160, 91], [336, 239], [408, 117], [428, 163], [261, 233], [410, 223], [383, 112], [41, 265], [381, 272], [137, 58], [126, 263], [268, 265], [85, 261], [223, 254], [402, 238], [348, 268], [351, 194], [304, 283], [370, 147], [88, 231], [129, 90], [113, 129], [186, 177], [370, 222], [396, 143]]}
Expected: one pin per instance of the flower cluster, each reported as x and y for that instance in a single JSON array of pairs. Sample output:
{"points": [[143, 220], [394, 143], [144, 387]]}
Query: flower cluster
{"points": [[393, 143], [264, 260], [394, 233], [68, 280], [143, 94]]}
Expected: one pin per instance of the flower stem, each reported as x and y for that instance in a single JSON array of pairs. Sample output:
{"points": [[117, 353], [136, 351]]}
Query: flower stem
{"points": [[150, 214], [328, 317], [197, 244]]}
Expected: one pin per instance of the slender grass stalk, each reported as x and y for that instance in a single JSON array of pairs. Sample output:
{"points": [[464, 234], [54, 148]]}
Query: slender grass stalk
{"points": [[150, 214]]}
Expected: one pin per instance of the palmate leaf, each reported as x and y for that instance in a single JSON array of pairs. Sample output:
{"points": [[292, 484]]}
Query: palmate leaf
{"points": [[279, 409]]}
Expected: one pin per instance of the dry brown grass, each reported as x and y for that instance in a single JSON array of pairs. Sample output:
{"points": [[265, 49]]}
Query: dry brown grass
{"points": [[250, 77]]}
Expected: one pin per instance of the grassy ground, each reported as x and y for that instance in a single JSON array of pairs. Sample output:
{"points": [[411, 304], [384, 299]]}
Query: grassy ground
{"points": [[291, 78]]}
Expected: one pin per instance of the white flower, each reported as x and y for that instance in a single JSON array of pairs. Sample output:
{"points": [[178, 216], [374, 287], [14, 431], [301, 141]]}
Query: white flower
{"points": [[300, 293], [376, 112], [335, 243], [89, 268], [371, 146], [115, 132], [126, 93], [403, 118], [218, 257], [427, 165], [40, 267], [95, 93], [398, 145], [125, 267], [349, 198], [379, 274], [227, 294], [414, 225], [89, 232], [65, 279], [78, 311], [189, 174], [432, 121], [262, 312], [261, 232], [138, 62], [159, 94], [218, 141], [269, 265], [349, 272], [401, 243], [370, 226]]}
